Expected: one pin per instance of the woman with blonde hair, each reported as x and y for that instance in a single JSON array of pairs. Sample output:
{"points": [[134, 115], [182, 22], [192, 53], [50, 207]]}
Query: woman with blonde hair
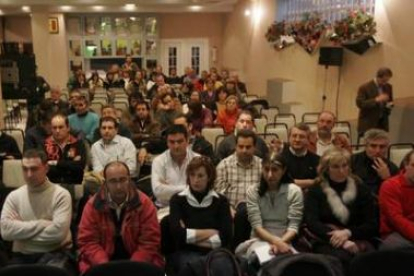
{"points": [[340, 211]]}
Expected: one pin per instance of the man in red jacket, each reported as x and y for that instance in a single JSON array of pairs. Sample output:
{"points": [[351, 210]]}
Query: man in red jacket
{"points": [[118, 223], [396, 201]]}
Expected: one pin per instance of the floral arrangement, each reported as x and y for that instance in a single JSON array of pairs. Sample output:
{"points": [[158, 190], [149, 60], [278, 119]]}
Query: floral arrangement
{"points": [[354, 26], [276, 34], [308, 32]]}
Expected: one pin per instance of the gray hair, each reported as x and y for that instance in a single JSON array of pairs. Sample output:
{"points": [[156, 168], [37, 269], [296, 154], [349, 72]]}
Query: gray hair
{"points": [[375, 134]]}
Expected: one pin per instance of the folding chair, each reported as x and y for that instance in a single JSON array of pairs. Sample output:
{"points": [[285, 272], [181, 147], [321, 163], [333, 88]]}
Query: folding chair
{"points": [[310, 117], [397, 152], [270, 113], [13, 173], [288, 118], [211, 133], [280, 129], [260, 124]]}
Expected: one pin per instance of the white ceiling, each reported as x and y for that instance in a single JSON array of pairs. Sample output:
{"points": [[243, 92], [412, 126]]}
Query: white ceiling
{"points": [[100, 6]]}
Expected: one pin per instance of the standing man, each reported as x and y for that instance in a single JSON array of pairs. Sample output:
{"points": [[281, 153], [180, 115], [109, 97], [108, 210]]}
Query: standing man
{"points": [[375, 102], [36, 216], [118, 223], [396, 202]]}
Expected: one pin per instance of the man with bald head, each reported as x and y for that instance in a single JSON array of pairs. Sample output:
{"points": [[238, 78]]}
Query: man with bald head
{"points": [[118, 223], [323, 138]]}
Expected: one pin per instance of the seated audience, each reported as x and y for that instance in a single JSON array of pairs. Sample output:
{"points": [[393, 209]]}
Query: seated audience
{"points": [[35, 136], [56, 103], [110, 111], [194, 237], [36, 217], [118, 223], [301, 163], [137, 86], [221, 96], [168, 169], [275, 210], [84, 121], [142, 126], [373, 165], [208, 96], [95, 81], [199, 116], [167, 111], [235, 175], [396, 202], [112, 147], [194, 97], [323, 138], [228, 145], [340, 211], [66, 154], [227, 117]]}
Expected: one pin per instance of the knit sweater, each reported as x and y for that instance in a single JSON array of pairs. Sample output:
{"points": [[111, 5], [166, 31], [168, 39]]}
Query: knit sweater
{"points": [[37, 219]]}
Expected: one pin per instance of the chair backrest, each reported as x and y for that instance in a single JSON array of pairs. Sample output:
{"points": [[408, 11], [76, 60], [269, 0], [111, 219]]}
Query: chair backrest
{"points": [[13, 173], [287, 118], [312, 126], [382, 263], [121, 105], [218, 140], [269, 138], [270, 113], [33, 270], [342, 127], [280, 129], [97, 107], [125, 268], [397, 152], [260, 124], [310, 117], [210, 134], [18, 135]]}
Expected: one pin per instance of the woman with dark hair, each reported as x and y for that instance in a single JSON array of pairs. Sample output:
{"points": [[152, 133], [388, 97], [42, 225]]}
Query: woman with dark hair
{"points": [[95, 81], [221, 96], [200, 218], [275, 209], [340, 211]]}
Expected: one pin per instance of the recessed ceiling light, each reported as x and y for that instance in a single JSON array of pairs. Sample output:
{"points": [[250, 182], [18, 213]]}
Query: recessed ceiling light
{"points": [[247, 12], [196, 8], [98, 8], [26, 8], [66, 8], [130, 7]]}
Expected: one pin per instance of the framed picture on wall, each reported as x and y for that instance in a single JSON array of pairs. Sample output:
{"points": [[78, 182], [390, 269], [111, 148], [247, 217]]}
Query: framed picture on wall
{"points": [[53, 25]]}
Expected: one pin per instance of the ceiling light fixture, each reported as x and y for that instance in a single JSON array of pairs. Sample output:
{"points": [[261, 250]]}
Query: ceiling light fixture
{"points": [[26, 8], [130, 7], [98, 8], [66, 8], [247, 12], [195, 8]]}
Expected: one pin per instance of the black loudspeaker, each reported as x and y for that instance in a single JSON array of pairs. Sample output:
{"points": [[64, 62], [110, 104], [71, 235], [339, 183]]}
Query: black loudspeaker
{"points": [[331, 56], [361, 46]]}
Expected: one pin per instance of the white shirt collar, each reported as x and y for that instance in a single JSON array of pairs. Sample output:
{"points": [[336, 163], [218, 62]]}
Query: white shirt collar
{"points": [[207, 200]]}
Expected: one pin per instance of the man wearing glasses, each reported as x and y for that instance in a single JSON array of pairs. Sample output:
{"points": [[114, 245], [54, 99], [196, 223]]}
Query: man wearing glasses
{"points": [[118, 223]]}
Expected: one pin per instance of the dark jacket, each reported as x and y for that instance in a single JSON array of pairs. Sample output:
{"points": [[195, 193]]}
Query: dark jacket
{"points": [[71, 161], [371, 113]]}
